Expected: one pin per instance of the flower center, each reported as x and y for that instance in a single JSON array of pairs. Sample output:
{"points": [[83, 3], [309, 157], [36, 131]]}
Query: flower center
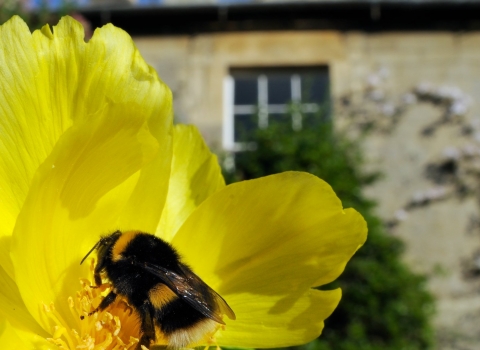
{"points": [[117, 327]]}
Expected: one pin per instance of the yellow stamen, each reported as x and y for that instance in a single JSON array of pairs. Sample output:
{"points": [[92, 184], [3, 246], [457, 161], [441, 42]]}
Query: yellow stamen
{"points": [[117, 327], [114, 328]]}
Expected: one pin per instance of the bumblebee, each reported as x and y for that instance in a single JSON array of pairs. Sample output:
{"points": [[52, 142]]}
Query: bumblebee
{"points": [[165, 292]]}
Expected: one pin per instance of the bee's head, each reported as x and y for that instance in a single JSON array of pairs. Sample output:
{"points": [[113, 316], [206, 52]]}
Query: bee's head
{"points": [[103, 245]]}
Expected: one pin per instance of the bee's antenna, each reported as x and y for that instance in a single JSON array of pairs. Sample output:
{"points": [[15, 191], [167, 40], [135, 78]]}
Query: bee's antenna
{"points": [[91, 250]]}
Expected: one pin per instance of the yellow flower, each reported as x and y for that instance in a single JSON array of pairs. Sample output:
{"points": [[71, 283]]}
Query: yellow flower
{"points": [[87, 147]]}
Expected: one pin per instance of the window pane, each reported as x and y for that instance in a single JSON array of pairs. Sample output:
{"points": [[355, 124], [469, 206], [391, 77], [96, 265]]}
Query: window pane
{"points": [[314, 87], [246, 91], [279, 118], [310, 84], [244, 127], [279, 89]]}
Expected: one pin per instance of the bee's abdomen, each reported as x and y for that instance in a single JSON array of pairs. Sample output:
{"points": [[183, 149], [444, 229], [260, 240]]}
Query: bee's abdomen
{"points": [[177, 315], [160, 296]]}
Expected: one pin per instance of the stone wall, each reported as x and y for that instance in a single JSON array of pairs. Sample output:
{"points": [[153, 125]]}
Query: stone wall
{"points": [[442, 236]]}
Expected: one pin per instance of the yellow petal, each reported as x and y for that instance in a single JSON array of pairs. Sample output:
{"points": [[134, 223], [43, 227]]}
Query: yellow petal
{"points": [[145, 205], [138, 91], [195, 176], [13, 308], [26, 138], [69, 206], [266, 322], [263, 229], [273, 239], [9, 338], [12, 338], [122, 121], [50, 81]]}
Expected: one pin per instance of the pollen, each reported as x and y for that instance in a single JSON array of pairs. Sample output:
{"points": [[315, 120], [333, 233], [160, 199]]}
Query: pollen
{"points": [[117, 327]]}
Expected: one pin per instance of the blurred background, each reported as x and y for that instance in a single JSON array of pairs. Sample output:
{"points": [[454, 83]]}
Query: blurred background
{"points": [[376, 97]]}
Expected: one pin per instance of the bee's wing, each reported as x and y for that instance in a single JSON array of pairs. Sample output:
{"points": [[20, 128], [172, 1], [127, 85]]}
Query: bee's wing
{"points": [[191, 289], [219, 301]]}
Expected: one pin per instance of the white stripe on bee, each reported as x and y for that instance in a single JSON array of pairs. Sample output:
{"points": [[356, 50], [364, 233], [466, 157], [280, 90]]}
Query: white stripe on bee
{"points": [[192, 335]]}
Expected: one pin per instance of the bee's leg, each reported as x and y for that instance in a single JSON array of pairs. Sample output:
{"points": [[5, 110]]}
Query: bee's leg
{"points": [[110, 298], [98, 279], [102, 287], [147, 326]]}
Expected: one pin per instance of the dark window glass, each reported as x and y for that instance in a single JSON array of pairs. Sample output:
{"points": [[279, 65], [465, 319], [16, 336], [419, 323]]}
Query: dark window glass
{"points": [[314, 88], [244, 127], [246, 91], [280, 118], [279, 89], [314, 85]]}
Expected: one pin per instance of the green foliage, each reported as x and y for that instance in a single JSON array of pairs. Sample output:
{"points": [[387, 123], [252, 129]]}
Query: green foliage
{"points": [[38, 18], [384, 304], [8, 8]]}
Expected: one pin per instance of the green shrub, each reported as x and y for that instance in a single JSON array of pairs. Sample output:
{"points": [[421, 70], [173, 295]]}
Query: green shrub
{"points": [[38, 17], [384, 304]]}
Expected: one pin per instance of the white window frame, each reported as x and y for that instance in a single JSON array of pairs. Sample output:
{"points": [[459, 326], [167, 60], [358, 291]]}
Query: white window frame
{"points": [[229, 109]]}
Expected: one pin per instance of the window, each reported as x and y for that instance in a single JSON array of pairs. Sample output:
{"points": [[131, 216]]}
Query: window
{"points": [[256, 97]]}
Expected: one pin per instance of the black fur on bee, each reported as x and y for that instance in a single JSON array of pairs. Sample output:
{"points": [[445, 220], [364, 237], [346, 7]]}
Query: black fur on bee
{"points": [[166, 293]]}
